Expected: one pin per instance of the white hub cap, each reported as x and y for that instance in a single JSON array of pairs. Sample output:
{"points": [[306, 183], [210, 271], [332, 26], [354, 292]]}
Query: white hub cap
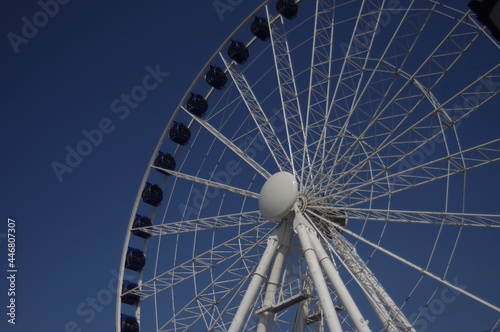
{"points": [[278, 195]]}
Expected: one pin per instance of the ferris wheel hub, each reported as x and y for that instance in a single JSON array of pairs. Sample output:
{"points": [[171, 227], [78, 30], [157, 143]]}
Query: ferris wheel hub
{"points": [[278, 196]]}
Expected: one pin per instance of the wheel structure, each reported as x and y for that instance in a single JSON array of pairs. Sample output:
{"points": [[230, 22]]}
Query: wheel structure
{"points": [[323, 172]]}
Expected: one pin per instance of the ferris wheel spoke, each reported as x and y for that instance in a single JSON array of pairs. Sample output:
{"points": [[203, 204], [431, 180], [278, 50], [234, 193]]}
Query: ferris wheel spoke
{"points": [[418, 217], [229, 144], [358, 59], [405, 36], [348, 85], [203, 305], [288, 90], [413, 266], [352, 71], [222, 221], [224, 287], [421, 137], [402, 42], [210, 183], [229, 250], [320, 72], [262, 122], [441, 60], [351, 169], [434, 170], [453, 46]]}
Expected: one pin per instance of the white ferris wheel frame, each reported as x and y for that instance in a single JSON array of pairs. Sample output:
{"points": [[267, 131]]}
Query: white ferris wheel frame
{"points": [[313, 243]]}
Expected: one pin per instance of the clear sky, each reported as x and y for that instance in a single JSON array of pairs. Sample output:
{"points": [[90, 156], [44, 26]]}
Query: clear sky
{"points": [[56, 84], [63, 84]]}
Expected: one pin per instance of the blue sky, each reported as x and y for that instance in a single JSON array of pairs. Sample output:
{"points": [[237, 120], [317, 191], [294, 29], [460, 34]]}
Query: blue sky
{"points": [[61, 82], [70, 77]]}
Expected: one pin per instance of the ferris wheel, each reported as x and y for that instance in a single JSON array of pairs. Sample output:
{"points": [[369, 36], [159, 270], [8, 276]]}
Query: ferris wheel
{"points": [[317, 176]]}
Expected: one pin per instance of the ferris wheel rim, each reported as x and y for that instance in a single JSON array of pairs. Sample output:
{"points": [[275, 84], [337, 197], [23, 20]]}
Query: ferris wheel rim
{"points": [[155, 152], [164, 135]]}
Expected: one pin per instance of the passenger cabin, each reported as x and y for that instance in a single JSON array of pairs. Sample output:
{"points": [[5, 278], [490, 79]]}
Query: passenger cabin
{"points": [[338, 217], [238, 52], [165, 161], [287, 8], [260, 28], [130, 298], [135, 259], [197, 105], [129, 324], [488, 13], [180, 134], [152, 194], [216, 78], [139, 222]]}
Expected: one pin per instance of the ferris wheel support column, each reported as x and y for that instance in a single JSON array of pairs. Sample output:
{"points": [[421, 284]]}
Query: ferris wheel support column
{"points": [[329, 312], [389, 314], [345, 297], [274, 279], [303, 310], [259, 274]]}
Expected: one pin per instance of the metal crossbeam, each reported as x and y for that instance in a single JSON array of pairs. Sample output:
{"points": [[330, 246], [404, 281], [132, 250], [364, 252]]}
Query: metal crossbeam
{"points": [[413, 266], [440, 168], [225, 221], [418, 217], [210, 183], [228, 143], [453, 111], [262, 122], [288, 90], [227, 251], [318, 98], [459, 40]]}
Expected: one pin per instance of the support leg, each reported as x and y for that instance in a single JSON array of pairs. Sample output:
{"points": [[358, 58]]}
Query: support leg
{"points": [[332, 321], [345, 297], [257, 278], [274, 279]]}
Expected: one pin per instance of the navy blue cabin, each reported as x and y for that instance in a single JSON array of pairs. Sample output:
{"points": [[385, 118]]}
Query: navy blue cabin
{"points": [[487, 13], [141, 221], [260, 28], [287, 8], [238, 52], [340, 219], [135, 259], [152, 194], [129, 324], [180, 134], [216, 78], [197, 105], [165, 161], [130, 298]]}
